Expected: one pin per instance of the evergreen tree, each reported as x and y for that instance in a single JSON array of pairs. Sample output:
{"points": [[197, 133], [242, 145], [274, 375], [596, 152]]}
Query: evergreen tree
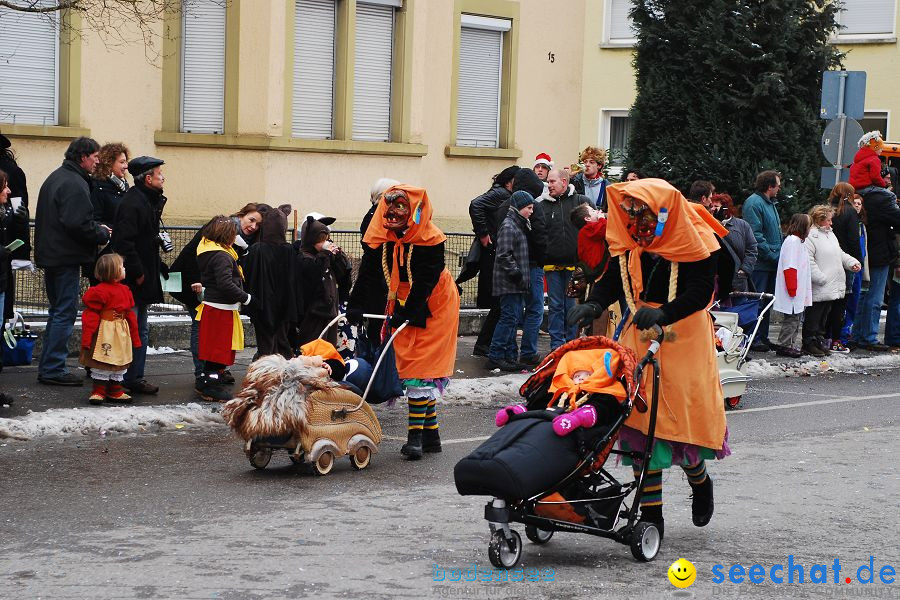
{"points": [[728, 88]]}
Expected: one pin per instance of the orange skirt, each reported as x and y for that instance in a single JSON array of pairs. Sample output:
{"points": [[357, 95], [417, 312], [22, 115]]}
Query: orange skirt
{"points": [[430, 352]]}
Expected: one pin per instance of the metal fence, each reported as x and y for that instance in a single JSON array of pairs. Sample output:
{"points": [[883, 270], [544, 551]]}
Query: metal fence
{"points": [[31, 295]]}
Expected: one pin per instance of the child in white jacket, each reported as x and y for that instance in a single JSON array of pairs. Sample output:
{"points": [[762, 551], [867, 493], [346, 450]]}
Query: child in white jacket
{"points": [[827, 265], [793, 286]]}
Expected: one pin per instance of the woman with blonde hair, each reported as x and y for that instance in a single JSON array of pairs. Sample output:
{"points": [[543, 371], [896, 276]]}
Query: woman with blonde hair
{"points": [[827, 266]]}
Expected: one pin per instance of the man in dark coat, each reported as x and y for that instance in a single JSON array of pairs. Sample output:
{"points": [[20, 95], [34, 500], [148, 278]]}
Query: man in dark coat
{"points": [[883, 218], [19, 230], [136, 238], [65, 239]]}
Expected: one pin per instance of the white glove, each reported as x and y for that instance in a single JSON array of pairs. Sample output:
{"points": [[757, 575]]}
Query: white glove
{"points": [[18, 265]]}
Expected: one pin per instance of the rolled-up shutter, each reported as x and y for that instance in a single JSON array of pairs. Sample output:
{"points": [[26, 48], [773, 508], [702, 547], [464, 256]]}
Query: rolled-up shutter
{"points": [[29, 73], [313, 91], [621, 28], [478, 92], [203, 66], [373, 72], [862, 17]]}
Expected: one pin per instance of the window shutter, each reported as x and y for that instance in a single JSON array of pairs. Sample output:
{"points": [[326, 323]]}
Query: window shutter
{"points": [[478, 93], [203, 67], [29, 75], [860, 17], [621, 27], [372, 72], [313, 90]]}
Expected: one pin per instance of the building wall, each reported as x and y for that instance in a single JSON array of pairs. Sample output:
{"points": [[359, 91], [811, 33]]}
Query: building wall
{"points": [[123, 95]]}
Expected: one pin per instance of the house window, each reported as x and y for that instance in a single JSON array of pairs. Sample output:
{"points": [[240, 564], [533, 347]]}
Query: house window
{"points": [[616, 127], [373, 69], [29, 68], [314, 61], [875, 121], [867, 19], [203, 66], [480, 80], [619, 29]]}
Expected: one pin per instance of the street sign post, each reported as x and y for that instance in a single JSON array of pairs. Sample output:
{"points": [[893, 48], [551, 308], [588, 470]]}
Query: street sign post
{"points": [[843, 100]]}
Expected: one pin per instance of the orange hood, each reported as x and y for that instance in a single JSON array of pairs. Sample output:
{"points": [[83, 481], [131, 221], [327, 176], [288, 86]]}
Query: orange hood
{"points": [[420, 231]]}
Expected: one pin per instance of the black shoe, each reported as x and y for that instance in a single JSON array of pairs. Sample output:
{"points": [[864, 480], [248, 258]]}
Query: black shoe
{"points": [[211, 389], [759, 346], [141, 387], [504, 365], [6, 399], [876, 347], [653, 514], [702, 505], [530, 361], [431, 440], [813, 349], [480, 351], [226, 376], [64, 379], [789, 352], [412, 449]]}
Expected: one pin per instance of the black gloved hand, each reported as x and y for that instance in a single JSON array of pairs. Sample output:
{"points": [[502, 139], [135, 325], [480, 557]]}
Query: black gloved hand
{"points": [[583, 314], [646, 317], [399, 317], [21, 214], [354, 316]]}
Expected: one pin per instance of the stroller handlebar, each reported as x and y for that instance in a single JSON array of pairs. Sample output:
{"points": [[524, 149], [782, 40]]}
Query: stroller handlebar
{"points": [[757, 295]]}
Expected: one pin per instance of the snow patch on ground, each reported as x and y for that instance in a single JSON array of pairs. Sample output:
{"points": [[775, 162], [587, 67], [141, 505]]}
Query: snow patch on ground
{"points": [[761, 369], [102, 420], [486, 391], [161, 350]]}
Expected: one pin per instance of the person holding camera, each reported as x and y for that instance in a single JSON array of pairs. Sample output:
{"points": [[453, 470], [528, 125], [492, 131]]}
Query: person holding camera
{"points": [[137, 237]]}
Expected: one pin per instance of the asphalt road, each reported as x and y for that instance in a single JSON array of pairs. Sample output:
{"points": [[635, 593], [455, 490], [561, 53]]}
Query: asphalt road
{"points": [[183, 515]]}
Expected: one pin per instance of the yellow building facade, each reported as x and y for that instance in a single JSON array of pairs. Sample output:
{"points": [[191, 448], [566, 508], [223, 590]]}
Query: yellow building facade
{"points": [[306, 102], [868, 36]]}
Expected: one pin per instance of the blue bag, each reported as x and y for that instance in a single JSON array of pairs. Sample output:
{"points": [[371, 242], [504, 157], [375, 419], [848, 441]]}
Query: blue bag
{"points": [[386, 383], [18, 342]]}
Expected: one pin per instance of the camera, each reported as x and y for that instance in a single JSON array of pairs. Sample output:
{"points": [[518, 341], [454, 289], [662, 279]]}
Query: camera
{"points": [[165, 241]]}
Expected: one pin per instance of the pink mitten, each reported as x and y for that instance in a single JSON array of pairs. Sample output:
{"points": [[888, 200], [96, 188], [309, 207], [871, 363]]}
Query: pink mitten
{"points": [[586, 416], [506, 412]]}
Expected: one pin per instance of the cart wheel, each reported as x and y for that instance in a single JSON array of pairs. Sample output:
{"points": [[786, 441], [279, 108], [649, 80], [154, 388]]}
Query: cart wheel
{"points": [[325, 463], [538, 536], [644, 541], [361, 458], [732, 402], [499, 552], [260, 458]]}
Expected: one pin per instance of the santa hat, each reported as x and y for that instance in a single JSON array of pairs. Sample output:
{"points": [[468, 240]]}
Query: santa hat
{"points": [[871, 139], [543, 159]]}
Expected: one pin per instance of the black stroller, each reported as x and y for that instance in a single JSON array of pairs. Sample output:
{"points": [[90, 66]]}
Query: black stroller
{"points": [[551, 483]]}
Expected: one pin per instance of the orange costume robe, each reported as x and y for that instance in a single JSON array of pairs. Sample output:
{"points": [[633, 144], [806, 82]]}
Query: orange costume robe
{"points": [[691, 410], [409, 272]]}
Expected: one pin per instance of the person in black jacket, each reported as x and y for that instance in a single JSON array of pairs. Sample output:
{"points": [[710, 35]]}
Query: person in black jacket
{"points": [[883, 216], [9, 221], [845, 225], [18, 188], [136, 237], [485, 223], [65, 239], [109, 182]]}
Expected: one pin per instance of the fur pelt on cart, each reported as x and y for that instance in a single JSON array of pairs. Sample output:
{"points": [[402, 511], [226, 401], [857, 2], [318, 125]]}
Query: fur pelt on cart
{"points": [[275, 396]]}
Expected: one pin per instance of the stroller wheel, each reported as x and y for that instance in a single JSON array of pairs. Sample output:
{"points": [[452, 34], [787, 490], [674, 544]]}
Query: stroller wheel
{"points": [[538, 536], [732, 402], [260, 458], [500, 553], [360, 459], [644, 541], [325, 463]]}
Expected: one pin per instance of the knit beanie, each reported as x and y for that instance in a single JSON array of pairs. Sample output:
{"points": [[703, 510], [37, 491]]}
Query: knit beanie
{"points": [[872, 139], [528, 181], [520, 200]]}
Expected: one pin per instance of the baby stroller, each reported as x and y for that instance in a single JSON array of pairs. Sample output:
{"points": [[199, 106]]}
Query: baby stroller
{"points": [[551, 483], [732, 344], [283, 407]]}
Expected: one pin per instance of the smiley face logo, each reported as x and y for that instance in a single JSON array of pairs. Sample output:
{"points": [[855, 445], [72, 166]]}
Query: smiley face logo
{"points": [[682, 573]]}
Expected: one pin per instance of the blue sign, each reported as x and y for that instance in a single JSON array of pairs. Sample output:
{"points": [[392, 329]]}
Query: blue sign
{"points": [[854, 94]]}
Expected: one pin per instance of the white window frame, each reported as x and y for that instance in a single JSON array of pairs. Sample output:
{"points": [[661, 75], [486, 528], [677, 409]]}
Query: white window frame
{"points": [[56, 24], [875, 113], [862, 38], [605, 131], [357, 118], [609, 41]]}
